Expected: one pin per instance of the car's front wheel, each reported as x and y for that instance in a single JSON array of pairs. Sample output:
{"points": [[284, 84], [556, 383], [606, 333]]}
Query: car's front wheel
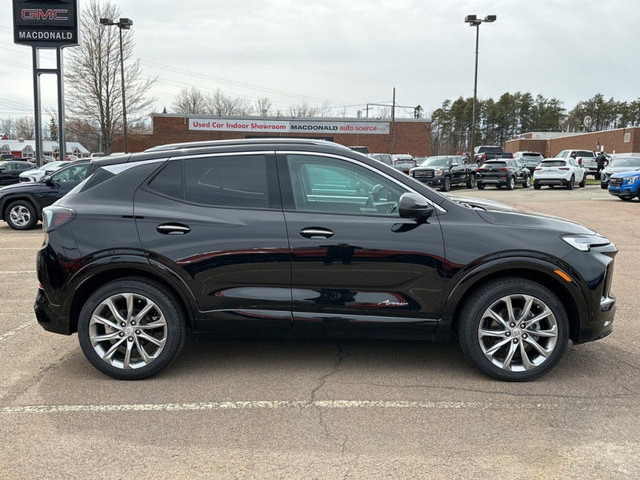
{"points": [[513, 329], [446, 184], [471, 181], [572, 181], [21, 215], [527, 182], [131, 329]]}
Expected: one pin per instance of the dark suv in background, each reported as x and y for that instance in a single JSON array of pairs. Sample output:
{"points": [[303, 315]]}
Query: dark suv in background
{"points": [[306, 239]]}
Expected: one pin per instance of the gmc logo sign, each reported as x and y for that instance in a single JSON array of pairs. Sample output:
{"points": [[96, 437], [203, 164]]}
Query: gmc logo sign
{"points": [[57, 14]]}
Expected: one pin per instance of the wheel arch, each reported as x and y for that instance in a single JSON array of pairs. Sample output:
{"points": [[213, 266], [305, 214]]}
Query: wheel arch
{"points": [[24, 196], [570, 296], [91, 283]]}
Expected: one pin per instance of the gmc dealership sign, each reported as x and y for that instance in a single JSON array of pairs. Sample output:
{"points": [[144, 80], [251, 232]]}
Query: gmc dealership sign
{"points": [[287, 126], [45, 23]]}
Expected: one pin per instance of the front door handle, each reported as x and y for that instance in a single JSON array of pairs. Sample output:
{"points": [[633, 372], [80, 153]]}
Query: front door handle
{"points": [[173, 229], [316, 232]]}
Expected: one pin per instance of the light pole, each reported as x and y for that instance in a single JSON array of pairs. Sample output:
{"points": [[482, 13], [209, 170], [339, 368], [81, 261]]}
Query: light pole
{"points": [[122, 24], [473, 21]]}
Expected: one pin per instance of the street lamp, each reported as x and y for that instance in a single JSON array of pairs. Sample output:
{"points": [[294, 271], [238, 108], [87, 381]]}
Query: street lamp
{"points": [[122, 24], [473, 21]]}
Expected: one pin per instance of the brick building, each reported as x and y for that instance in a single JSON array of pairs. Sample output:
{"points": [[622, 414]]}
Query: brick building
{"points": [[620, 140], [412, 136]]}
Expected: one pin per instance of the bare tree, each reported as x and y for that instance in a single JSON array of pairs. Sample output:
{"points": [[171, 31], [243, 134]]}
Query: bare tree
{"points": [[93, 75], [263, 106], [7, 127], [191, 100], [25, 128], [223, 104], [303, 110]]}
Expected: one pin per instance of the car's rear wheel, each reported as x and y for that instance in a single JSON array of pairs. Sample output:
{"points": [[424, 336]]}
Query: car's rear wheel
{"points": [[21, 215], [572, 180], [511, 183], [131, 329], [537, 186], [513, 329]]}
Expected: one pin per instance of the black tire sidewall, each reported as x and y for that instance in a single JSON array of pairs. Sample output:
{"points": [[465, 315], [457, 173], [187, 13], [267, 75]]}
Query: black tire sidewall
{"points": [[176, 328], [32, 211], [476, 305]]}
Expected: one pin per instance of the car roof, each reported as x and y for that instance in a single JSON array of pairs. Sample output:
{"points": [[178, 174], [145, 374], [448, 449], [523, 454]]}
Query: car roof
{"points": [[244, 142]]}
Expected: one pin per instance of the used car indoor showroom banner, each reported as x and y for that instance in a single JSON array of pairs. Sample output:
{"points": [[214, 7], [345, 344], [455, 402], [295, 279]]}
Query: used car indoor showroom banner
{"points": [[257, 125]]}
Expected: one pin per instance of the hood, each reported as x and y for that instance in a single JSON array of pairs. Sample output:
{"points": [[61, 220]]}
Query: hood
{"points": [[480, 203], [26, 187], [534, 221], [626, 172]]}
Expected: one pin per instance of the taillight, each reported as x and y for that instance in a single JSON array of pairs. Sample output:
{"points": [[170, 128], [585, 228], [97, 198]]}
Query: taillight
{"points": [[580, 161], [503, 169], [55, 217]]}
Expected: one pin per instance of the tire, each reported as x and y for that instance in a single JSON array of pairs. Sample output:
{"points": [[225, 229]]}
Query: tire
{"points": [[583, 182], [604, 186], [480, 186], [572, 180], [471, 182], [446, 184], [511, 183], [537, 186], [496, 341], [626, 199], [21, 215], [117, 339], [527, 182]]}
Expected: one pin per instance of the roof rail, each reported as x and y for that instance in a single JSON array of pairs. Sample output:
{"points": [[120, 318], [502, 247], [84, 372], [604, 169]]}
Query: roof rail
{"points": [[243, 141]]}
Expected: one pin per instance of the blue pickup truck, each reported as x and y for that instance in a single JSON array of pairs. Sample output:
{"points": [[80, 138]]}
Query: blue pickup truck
{"points": [[625, 186]]}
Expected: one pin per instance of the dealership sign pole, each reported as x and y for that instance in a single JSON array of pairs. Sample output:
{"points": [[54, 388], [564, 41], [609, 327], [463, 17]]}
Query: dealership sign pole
{"points": [[46, 24]]}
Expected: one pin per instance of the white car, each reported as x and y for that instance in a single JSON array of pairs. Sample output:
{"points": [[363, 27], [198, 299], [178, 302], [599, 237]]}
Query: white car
{"points": [[565, 172], [586, 158], [37, 174]]}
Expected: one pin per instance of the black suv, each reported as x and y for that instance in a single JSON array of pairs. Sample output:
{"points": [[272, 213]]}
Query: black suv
{"points": [[21, 204], [503, 173], [305, 238]]}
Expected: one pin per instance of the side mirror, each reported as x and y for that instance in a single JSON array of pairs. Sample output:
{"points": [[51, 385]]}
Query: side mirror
{"points": [[47, 180], [412, 205]]}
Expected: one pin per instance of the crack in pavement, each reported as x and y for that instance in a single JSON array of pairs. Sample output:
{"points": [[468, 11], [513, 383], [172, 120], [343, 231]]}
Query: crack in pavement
{"points": [[322, 382]]}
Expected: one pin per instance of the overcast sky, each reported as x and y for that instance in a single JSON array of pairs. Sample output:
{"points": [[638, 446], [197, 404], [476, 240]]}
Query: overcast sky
{"points": [[349, 53]]}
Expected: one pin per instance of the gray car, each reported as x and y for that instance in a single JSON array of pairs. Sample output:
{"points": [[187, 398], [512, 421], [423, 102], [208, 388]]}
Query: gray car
{"points": [[618, 165]]}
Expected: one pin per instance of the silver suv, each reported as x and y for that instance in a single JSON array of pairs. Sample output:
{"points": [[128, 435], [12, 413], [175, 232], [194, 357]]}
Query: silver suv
{"points": [[586, 158]]}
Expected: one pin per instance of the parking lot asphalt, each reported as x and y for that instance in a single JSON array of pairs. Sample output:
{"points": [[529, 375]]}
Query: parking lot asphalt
{"points": [[325, 409]]}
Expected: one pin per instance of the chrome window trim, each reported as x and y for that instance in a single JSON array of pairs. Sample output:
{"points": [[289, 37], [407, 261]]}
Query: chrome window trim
{"points": [[356, 162]]}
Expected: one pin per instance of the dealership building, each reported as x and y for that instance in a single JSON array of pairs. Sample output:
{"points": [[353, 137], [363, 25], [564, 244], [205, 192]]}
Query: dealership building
{"points": [[405, 135]]}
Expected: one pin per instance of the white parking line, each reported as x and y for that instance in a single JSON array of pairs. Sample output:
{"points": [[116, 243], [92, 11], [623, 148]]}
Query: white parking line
{"points": [[273, 404], [15, 272], [18, 329]]}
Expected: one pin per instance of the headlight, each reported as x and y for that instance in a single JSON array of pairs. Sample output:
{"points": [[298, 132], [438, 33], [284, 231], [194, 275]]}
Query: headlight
{"points": [[439, 172], [585, 242], [630, 180]]}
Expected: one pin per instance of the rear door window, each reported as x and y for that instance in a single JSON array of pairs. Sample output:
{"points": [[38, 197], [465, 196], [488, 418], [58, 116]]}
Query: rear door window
{"points": [[222, 181]]}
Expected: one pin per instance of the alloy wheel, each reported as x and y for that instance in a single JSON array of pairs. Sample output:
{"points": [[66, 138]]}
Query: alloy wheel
{"points": [[20, 215], [518, 332], [128, 331]]}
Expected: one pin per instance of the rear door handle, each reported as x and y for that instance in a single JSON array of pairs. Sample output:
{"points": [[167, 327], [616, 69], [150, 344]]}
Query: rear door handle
{"points": [[316, 232], [173, 229]]}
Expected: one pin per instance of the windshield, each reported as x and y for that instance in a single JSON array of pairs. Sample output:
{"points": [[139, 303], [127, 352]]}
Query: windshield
{"points": [[625, 162], [435, 162]]}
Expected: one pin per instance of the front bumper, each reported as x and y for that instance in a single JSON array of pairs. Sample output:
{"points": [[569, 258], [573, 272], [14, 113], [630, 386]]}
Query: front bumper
{"points": [[431, 180], [624, 191]]}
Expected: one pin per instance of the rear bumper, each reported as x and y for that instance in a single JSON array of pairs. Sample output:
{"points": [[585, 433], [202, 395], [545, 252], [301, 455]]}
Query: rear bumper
{"points": [[50, 316]]}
